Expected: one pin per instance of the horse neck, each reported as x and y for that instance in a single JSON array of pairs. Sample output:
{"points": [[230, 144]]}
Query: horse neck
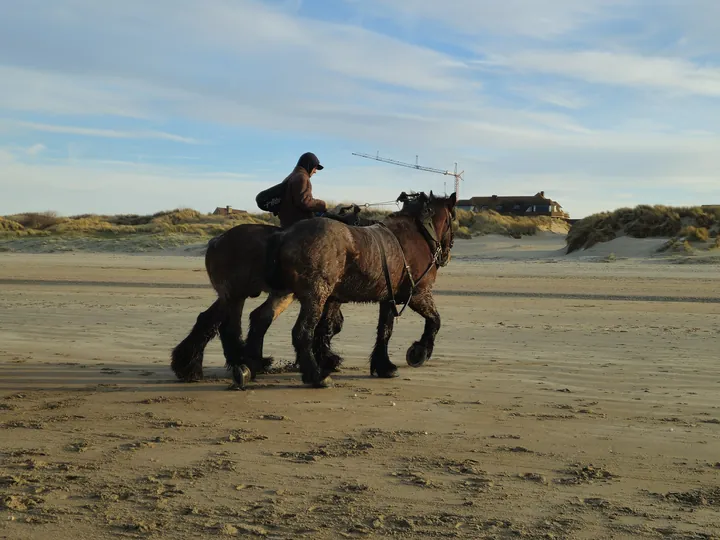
{"points": [[407, 230]]}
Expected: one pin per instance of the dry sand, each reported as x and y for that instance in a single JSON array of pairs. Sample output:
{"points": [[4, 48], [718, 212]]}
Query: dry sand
{"points": [[567, 398]]}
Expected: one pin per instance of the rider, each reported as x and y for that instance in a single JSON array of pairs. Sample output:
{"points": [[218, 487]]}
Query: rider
{"points": [[298, 202]]}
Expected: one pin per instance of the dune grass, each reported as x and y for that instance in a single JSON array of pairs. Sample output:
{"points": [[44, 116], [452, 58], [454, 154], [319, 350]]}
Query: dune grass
{"points": [[49, 232], [179, 221], [471, 224], [691, 224]]}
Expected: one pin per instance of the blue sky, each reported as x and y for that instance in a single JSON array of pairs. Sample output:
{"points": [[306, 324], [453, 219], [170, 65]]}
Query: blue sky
{"points": [[140, 106]]}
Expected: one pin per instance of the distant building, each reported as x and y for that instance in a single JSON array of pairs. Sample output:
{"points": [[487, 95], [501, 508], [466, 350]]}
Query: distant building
{"points": [[465, 204], [515, 205], [227, 210]]}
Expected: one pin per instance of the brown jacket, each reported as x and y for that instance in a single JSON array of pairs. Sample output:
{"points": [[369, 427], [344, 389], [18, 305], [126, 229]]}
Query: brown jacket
{"points": [[298, 202]]}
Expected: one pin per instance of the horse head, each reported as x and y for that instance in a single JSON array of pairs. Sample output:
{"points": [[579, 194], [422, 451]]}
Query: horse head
{"points": [[435, 216]]}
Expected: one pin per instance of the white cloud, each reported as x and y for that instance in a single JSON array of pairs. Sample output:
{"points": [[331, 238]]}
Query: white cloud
{"points": [[117, 187], [96, 132], [535, 18], [622, 69], [559, 97], [35, 149], [45, 91], [249, 36], [89, 187], [583, 181], [279, 73]]}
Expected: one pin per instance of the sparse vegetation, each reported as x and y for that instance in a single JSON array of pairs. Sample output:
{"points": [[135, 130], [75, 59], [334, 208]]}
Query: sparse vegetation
{"points": [[610, 258], [463, 232], [9, 225], [689, 223], [48, 232], [180, 221], [36, 220], [677, 245], [695, 234], [490, 222]]}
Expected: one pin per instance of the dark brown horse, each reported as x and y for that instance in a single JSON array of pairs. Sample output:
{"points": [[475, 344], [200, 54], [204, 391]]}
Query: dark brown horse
{"points": [[326, 263], [235, 262]]}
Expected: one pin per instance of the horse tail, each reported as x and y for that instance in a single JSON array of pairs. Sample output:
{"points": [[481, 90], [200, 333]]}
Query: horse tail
{"points": [[273, 268]]}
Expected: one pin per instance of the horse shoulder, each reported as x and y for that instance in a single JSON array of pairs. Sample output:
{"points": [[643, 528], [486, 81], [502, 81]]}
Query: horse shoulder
{"points": [[353, 242]]}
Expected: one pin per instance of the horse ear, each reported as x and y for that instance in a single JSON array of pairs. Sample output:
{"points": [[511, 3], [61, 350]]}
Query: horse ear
{"points": [[452, 200]]}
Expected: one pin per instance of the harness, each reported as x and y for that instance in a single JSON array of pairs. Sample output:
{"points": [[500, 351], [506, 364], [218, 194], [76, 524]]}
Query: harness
{"points": [[428, 230]]}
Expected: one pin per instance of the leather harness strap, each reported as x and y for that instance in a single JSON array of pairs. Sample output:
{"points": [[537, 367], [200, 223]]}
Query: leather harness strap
{"points": [[386, 270]]}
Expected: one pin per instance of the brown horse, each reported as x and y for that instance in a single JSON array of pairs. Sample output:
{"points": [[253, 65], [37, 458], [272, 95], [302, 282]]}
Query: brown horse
{"points": [[325, 264], [235, 262]]}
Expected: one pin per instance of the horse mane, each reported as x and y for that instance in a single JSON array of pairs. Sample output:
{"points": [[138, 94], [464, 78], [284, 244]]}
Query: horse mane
{"points": [[418, 205]]}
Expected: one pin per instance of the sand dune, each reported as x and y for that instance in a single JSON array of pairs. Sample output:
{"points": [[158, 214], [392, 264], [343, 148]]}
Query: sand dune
{"points": [[567, 398]]}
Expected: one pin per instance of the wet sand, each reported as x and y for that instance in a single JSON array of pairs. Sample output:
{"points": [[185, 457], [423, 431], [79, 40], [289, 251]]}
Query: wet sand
{"points": [[567, 398]]}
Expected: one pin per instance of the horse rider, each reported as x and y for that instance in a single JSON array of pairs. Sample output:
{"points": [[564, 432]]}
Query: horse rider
{"points": [[297, 201]]}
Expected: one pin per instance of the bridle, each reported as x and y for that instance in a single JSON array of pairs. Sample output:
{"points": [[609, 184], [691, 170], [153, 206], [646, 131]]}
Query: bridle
{"points": [[440, 253]]}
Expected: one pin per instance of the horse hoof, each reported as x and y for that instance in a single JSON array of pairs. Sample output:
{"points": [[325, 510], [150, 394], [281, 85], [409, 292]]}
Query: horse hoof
{"points": [[193, 377], [385, 374], [325, 382], [189, 375], [416, 355], [241, 376]]}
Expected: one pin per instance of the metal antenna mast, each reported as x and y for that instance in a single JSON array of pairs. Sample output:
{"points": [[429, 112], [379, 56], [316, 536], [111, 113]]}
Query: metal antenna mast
{"points": [[458, 175]]}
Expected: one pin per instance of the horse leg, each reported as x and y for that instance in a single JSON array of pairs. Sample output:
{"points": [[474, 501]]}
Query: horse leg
{"points": [[380, 363], [329, 326], [420, 351], [231, 335], [311, 310], [187, 356], [260, 320]]}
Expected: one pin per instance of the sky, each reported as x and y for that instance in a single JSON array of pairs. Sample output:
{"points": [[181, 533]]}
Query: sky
{"points": [[140, 106]]}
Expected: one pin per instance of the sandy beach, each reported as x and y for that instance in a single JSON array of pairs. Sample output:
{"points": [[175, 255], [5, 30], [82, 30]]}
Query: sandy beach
{"points": [[569, 396]]}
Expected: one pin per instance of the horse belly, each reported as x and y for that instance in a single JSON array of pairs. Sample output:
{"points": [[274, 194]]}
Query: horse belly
{"points": [[357, 286]]}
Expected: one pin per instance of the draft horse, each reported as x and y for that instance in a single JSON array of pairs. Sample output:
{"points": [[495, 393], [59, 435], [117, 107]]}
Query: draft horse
{"points": [[324, 264], [235, 263]]}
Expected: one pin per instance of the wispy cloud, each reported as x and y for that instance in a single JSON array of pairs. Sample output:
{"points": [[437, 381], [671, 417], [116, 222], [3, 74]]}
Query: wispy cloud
{"points": [[29, 89], [120, 187], [96, 132], [35, 149], [622, 69], [553, 95], [538, 18]]}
